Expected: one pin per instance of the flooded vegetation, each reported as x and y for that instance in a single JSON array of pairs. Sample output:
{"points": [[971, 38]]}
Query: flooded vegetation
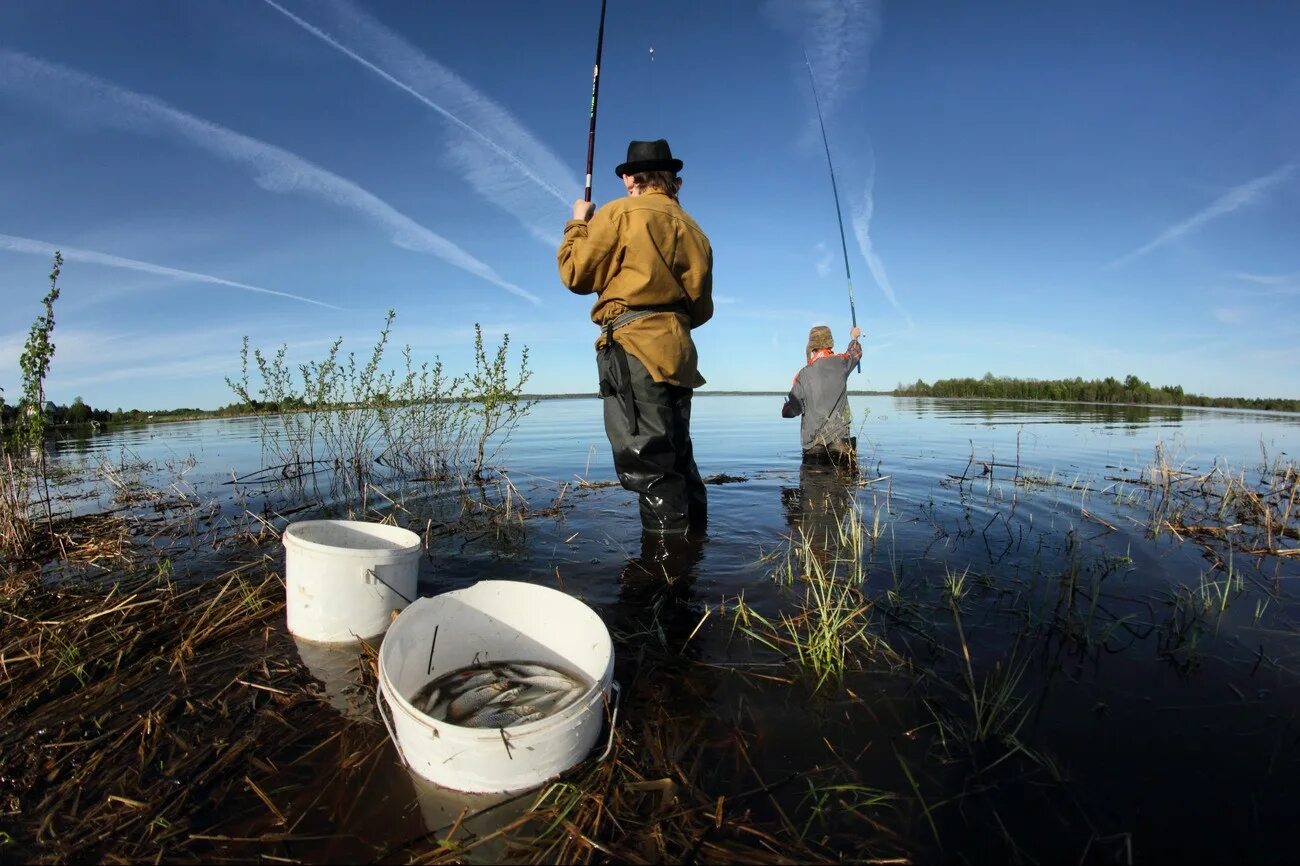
{"points": [[1020, 632]]}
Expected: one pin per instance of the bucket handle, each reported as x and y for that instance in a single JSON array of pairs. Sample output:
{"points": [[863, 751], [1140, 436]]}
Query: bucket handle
{"points": [[371, 575], [613, 720], [382, 703]]}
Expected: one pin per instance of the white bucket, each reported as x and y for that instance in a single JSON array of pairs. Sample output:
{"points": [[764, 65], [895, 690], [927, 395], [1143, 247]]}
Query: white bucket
{"points": [[343, 578], [494, 620]]}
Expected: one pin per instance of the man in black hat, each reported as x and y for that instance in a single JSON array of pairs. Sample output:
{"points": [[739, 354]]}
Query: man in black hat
{"points": [[651, 268]]}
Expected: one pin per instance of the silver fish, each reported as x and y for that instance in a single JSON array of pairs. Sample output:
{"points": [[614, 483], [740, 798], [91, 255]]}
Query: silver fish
{"points": [[524, 669], [551, 682], [421, 698], [473, 700], [549, 700], [508, 696], [502, 717], [438, 709], [470, 680]]}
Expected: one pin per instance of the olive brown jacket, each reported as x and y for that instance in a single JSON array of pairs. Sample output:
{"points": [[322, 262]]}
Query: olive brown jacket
{"points": [[641, 252]]}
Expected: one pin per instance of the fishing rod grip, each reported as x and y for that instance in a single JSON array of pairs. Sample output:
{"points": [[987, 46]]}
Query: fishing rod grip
{"points": [[853, 315]]}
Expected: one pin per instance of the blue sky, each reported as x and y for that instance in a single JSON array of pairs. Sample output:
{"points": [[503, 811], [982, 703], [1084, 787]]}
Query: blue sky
{"points": [[1032, 189]]}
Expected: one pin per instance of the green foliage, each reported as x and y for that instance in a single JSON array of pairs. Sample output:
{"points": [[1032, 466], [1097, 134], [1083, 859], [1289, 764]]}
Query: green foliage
{"points": [[413, 421], [79, 413], [35, 364], [499, 402], [1108, 390]]}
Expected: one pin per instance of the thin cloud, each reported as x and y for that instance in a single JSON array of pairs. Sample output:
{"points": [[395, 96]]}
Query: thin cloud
{"points": [[1284, 280], [837, 35], [1232, 200], [825, 258], [493, 151], [862, 214], [1270, 285], [88, 356], [1231, 315], [72, 254], [90, 99]]}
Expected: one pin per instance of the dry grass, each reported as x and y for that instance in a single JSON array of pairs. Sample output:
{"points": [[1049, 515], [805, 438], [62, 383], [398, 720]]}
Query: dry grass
{"points": [[1258, 516], [131, 711], [16, 526]]}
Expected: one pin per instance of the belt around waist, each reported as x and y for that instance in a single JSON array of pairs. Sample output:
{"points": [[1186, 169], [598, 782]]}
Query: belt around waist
{"points": [[629, 316]]}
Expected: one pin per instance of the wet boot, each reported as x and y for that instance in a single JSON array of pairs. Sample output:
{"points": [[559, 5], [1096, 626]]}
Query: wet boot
{"points": [[697, 499]]}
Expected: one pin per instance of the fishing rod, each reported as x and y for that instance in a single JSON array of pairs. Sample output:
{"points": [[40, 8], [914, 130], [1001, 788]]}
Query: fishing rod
{"points": [[853, 313], [595, 94]]}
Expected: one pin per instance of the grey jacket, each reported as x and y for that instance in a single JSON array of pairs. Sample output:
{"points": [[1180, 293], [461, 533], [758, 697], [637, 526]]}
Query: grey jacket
{"points": [[820, 395]]}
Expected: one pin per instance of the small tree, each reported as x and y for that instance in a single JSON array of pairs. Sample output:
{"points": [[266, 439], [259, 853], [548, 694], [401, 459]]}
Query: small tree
{"points": [[35, 363], [498, 402]]}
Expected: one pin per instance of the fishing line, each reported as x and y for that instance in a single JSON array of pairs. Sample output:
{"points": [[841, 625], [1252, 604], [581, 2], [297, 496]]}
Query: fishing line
{"points": [[844, 247], [654, 94]]}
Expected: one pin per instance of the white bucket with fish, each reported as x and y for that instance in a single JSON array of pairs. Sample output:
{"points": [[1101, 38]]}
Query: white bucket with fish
{"points": [[344, 578], [494, 621]]}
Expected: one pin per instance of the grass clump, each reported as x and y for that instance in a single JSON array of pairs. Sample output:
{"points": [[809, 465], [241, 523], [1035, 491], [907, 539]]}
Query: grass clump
{"points": [[830, 630]]}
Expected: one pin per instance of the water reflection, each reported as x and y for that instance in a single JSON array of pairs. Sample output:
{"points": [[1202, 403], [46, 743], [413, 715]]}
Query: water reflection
{"points": [[336, 667], [814, 510], [1025, 412], [655, 587]]}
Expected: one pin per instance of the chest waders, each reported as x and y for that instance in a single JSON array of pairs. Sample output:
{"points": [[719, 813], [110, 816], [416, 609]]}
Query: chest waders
{"points": [[648, 425], [839, 452]]}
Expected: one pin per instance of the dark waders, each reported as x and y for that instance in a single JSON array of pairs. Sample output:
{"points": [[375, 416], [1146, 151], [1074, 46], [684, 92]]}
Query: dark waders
{"points": [[841, 454], [648, 425]]}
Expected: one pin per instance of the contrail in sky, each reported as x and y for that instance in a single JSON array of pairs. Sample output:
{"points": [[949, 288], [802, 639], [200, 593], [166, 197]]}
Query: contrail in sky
{"points": [[862, 214], [28, 245], [837, 35], [86, 98], [1234, 199], [508, 175]]}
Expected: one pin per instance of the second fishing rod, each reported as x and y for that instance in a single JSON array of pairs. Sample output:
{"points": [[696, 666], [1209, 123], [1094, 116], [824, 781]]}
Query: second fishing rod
{"points": [[844, 247]]}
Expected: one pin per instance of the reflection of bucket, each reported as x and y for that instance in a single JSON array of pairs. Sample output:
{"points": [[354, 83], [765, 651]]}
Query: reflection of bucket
{"points": [[344, 577], [477, 816], [335, 665], [494, 620]]}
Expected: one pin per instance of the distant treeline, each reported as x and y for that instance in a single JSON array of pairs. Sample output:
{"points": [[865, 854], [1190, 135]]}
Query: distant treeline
{"points": [[1108, 390], [78, 412]]}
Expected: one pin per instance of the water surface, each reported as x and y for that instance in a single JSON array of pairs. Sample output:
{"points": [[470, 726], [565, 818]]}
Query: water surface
{"points": [[1175, 737]]}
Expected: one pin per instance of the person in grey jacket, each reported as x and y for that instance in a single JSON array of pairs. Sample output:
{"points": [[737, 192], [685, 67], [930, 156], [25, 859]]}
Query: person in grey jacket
{"points": [[820, 395]]}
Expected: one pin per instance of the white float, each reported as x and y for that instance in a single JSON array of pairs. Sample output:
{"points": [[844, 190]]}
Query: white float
{"points": [[344, 578], [494, 620]]}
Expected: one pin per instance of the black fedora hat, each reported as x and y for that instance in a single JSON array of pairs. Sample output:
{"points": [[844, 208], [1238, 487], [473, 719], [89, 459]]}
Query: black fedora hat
{"points": [[648, 156]]}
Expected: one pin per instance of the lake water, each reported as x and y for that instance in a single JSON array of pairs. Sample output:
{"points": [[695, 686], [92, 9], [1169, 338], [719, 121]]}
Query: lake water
{"points": [[1158, 727]]}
